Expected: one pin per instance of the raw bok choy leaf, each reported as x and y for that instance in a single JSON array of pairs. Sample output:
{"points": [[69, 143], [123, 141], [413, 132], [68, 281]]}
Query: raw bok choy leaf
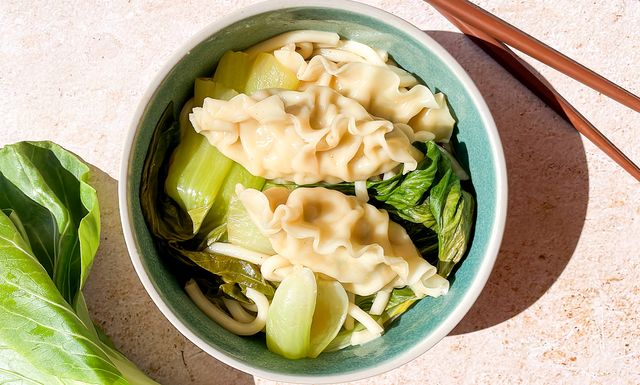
{"points": [[49, 233]]}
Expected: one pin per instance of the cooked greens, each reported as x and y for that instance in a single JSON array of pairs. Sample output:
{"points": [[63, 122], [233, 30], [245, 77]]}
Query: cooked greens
{"points": [[291, 315], [192, 158], [452, 209], [432, 196], [246, 74]]}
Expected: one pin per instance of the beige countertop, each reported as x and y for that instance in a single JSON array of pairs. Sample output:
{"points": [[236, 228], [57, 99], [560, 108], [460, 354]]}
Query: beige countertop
{"points": [[563, 303]]}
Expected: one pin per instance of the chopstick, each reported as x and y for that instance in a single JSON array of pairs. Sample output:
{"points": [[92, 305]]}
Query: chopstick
{"points": [[539, 86], [501, 30]]}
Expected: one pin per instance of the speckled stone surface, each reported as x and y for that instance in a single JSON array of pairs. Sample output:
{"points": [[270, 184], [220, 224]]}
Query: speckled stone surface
{"points": [[563, 303]]}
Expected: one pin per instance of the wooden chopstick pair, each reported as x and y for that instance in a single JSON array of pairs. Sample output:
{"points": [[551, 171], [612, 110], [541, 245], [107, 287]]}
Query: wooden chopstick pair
{"points": [[491, 34]]}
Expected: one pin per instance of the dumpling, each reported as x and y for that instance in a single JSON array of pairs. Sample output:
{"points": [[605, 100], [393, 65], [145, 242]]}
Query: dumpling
{"points": [[305, 137], [341, 237], [386, 91]]}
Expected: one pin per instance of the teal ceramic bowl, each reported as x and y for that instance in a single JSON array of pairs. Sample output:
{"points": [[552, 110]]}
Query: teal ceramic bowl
{"points": [[478, 147]]}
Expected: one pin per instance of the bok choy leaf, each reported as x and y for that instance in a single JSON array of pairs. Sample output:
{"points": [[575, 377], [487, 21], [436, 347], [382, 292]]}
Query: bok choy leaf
{"points": [[432, 196], [452, 209], [230, 270], [49, 233], [164, 217]]}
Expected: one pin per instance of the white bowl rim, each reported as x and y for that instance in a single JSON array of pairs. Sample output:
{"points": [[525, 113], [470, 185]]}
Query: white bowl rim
{"points": [[501, 189]]}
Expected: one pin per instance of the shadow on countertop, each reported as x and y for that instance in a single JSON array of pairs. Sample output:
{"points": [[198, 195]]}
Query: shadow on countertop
{"points": [[548, 189], [120, 306]]}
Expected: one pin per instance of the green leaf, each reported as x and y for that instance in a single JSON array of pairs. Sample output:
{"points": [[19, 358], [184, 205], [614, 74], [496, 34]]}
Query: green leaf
{"points": [[230, 270], [38, 323], [452, 209], [49, 234], [407, 191], [397, 297], [400, 296], [392, 313], [399, 302], [330, 312], [46, 187], [15, 369], [164, 217], [424, 238], [80, 307]]}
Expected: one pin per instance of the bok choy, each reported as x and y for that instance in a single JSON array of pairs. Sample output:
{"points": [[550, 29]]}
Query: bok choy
{"points": [[194, 157], [49, 234]]}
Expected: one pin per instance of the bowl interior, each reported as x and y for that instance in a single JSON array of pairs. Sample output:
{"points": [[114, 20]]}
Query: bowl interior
{"points": [[477, 146]]}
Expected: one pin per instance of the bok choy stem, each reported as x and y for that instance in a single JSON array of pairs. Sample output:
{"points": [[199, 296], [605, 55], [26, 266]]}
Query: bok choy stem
{"points": [[196, 172]]}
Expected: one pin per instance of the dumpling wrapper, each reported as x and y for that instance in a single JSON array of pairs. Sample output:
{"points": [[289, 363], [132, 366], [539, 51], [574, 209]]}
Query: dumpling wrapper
{"points": [[305, 137], [381, 89], [341, 237]]}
